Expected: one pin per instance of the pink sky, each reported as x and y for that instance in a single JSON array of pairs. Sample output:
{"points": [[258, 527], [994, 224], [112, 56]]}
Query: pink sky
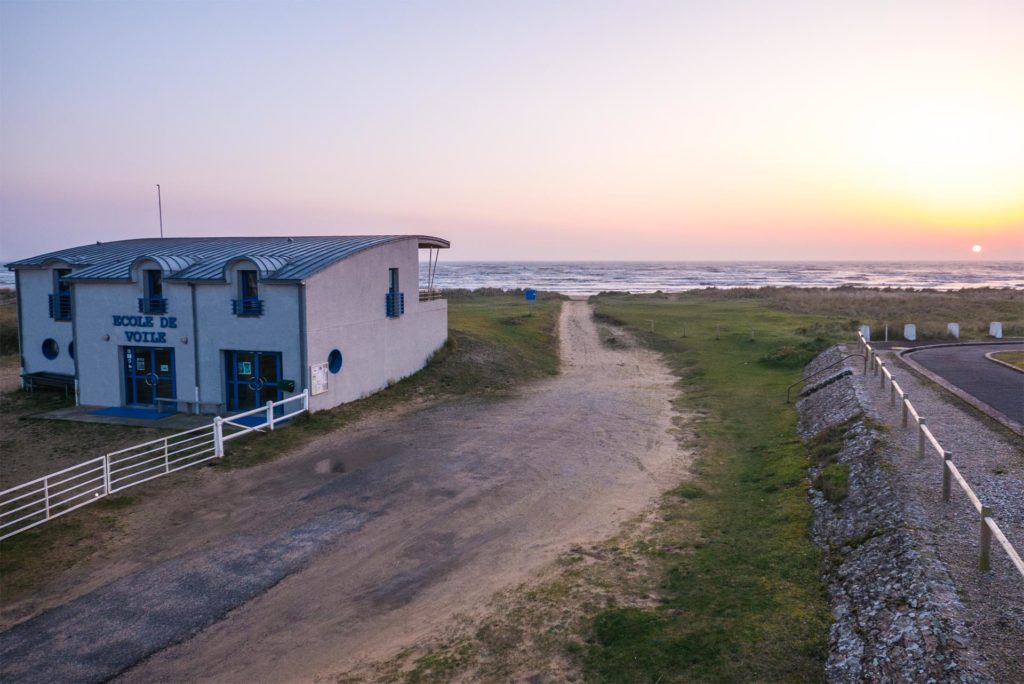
{"points": [[727, 130]]}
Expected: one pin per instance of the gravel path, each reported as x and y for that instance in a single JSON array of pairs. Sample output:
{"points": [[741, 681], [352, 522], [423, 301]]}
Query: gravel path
{"points": [[364, 542], [992, 460]]}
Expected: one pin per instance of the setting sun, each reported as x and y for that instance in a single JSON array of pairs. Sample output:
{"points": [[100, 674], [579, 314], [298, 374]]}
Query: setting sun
{"points": [[976, 249]]}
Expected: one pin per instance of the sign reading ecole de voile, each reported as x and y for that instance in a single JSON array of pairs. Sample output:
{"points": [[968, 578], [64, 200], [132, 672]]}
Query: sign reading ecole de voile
{"points": [[153, 336]]}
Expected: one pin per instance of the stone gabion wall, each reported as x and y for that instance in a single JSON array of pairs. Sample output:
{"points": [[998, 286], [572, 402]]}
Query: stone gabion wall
{"points": [[896, 613]]}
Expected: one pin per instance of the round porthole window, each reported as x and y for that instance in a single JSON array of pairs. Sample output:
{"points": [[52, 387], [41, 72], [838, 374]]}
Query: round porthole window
{"points": [[50, 348], [71, 349], [334, 361]]}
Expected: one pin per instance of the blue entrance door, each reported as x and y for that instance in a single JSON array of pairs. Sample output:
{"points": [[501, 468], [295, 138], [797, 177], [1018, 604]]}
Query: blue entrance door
{"points": [[148, 375], [252, 378]]}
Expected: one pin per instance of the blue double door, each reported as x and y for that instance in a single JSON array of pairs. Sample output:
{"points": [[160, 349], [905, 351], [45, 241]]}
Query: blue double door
{"points": [[252, 378], [148, 375]]}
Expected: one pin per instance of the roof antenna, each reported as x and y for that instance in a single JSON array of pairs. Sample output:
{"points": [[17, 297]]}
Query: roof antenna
{"points": [[160, 208]]}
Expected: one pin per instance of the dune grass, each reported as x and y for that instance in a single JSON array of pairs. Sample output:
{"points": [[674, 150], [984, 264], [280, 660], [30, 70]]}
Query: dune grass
{"points": [[929, 310], [744, 603]]}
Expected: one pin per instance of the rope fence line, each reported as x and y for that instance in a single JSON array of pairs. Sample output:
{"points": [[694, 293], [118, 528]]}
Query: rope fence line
{"points": [[988, 526]]}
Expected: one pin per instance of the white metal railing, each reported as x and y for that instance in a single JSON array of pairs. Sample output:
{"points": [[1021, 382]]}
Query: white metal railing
{"points": [[950, 472], [45, 498], [430, 295], [149, 460]]}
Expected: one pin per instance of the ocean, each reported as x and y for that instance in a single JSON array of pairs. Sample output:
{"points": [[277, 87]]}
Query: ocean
{"points": [[591, 277]]}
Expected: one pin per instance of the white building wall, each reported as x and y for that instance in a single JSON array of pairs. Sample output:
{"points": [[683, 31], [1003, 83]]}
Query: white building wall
{"points": [[345, 310], [34, 290], [99, 341], [277, 330]]}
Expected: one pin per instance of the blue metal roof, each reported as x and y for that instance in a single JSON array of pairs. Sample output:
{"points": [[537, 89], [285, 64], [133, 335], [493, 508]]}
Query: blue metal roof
{"points": [[286, 259]]}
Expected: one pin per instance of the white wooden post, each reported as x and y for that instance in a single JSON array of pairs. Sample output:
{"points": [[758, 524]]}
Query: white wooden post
{"points": [[46, 496], [218, 437], [906, 408], [920, 437], [305, 400], [270, 415], [106, 472], [892, 393], [167, 458]]}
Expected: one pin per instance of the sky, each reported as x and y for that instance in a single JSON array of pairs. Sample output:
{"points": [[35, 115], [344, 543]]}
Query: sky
{"points": [[521, 130]]}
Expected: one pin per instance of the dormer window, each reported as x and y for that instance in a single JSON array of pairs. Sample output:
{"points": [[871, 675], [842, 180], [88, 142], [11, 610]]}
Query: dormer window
{"points": [[60, 300], [248, 302], [153, 284]]}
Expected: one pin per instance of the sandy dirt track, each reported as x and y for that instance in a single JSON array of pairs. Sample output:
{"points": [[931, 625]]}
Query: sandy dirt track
{"points": [[365, 541]]}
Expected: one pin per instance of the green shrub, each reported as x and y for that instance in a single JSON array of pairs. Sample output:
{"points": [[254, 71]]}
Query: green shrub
{"points": [[834, 481], [795, 355]]}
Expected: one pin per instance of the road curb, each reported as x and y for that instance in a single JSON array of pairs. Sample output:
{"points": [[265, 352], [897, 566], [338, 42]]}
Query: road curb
{"points": [[1002, 363], [970, 399]]}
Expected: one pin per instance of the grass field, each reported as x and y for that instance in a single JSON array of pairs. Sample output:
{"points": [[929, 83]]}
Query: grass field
{"points": [[494, 344], [1012, 358], [929, 310], [744, 603]]}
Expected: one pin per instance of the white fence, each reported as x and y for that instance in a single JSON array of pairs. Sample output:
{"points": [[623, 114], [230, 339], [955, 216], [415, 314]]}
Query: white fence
{"points": [[925, 438], [51, 496]]}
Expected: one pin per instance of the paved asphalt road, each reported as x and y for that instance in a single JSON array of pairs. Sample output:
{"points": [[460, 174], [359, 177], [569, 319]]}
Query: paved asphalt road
{"points": [[197, 590], [966, 367]]}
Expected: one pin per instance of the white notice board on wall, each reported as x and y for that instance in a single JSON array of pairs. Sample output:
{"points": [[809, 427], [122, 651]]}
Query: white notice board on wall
{"points": [[318, 378]]}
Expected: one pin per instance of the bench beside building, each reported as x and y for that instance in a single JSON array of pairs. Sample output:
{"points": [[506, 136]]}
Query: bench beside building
{"points": [[218, 325]]}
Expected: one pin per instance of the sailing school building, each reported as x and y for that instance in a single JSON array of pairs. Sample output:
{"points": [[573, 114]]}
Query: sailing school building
{"points": [[220, 325]]}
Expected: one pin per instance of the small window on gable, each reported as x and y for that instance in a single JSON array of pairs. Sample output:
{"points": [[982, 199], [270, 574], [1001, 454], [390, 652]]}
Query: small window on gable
{"points": [[154, 284], [248, 302], [248, 287], [61, 286], [60, 300], [153, 288]]}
